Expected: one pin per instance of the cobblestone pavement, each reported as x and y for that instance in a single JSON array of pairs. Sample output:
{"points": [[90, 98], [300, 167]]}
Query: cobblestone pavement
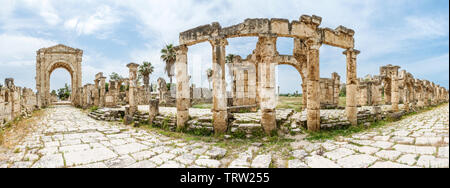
{"points": [[67, 137]]}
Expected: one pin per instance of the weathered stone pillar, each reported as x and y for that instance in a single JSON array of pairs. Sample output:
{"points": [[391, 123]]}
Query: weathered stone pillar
{"points": [[313, 85], [407, 99], [102, 91], [132, 87], [220, 114], [395, 91], [304, 94], [266, 50], [351, 105], [153, 110], [183, 91], [336, 88], [96, 93]]}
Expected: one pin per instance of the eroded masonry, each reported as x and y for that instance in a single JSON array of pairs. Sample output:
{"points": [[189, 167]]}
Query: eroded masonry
{"points": [[251, 103]]}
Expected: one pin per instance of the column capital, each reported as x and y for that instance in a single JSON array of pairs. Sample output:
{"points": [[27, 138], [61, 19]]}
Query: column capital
{"points": [[313, 43], [218, 41], [182, 49], [132, 65], [352, 51]]}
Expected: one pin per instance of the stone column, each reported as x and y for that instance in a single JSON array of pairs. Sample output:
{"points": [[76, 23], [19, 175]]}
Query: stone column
{"points": [[38, 80], [153, 110], [412, 97], [220, 114], [304, 94], [395, 91], [336, 88], [132, 87], [313, 85], [266, 50], [102, 91], [351, 105], [407, 99], [183, 91], [96, 93]]}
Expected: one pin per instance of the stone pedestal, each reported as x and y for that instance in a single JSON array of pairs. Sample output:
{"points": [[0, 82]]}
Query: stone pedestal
{"points": [[128, 118]]}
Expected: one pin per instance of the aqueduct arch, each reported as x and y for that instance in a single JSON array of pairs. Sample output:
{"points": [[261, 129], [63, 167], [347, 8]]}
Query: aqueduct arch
{"points": [[49, 59]]}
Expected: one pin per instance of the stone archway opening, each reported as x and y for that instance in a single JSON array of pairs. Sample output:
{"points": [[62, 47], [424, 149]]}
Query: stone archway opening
{"points": [[49, 59], [60, 78], [290, 88]]}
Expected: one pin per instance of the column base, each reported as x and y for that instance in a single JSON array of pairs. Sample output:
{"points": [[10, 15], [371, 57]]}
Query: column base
{"points": [[395, 107], [352, 114], [182, 118], [220, 121], [268, 121], [313, 120]]}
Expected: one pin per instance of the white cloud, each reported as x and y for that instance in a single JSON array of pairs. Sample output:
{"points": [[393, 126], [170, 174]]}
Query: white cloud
{"points": [[7, 6], [430, 27], [18, 50], [101, 19], [18, 57], [383, 29]]}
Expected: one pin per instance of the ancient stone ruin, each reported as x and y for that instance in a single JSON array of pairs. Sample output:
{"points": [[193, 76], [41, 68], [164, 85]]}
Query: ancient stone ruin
{"points": [[15, 102], [308, 37], [250, 106], [253, 83], [49, 59]]}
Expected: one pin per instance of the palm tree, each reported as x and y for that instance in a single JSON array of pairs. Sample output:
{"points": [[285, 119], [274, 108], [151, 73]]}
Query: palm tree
{"points": [[169, 56], [209, 73], [145, 70], [115, 77], [230, 58]]}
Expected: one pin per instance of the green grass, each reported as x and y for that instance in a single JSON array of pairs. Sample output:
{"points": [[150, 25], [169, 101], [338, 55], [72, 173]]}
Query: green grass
{"points": [[94, 108], [285, 102], [203, 106], [219, 139], [347, 131]]}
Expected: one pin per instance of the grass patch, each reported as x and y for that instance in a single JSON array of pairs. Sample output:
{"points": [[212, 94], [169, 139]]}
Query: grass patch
{"points": [[219, 139], [94, 108], [203, 106], [14, 131], [286, 102], [331, 134], [295, 102]]}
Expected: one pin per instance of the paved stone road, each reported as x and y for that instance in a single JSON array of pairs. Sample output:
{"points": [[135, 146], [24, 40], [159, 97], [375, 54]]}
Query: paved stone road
{"points": [[66, 137]]}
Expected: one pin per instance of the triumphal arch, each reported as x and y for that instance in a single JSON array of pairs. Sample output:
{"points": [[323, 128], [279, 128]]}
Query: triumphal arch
{"points": [[49, 59]]}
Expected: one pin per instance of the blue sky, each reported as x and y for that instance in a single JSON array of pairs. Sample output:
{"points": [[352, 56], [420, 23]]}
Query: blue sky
{"points": [[411, 34]]}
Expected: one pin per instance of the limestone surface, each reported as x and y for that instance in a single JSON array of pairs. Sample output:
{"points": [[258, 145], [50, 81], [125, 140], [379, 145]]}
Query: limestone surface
{"points": [[67, 137]]}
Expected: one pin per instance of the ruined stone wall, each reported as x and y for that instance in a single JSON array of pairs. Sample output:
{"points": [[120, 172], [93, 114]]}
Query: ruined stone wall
{"points": [[200, 95], [329, 91], [15, 101], [369, 91], [112, 94], [244, 87]]}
